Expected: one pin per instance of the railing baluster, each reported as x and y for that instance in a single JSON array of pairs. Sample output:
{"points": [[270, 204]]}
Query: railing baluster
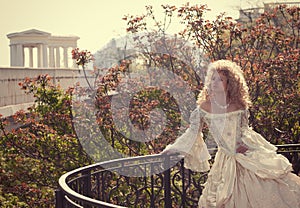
{"points": [[183, 184], [167, 182], [152, 190], [103, 185], [87, 186], [59, 198]]}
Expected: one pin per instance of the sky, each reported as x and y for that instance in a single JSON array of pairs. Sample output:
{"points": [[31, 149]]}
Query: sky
{"points": [[96, 22]]}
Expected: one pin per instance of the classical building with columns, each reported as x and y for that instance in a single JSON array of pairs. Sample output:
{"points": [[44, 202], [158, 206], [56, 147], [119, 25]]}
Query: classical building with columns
{"points": [[33, 53], [51, 51]]}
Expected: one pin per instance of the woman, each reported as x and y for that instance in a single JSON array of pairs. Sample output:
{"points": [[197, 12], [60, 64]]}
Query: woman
{"points": [[247, 172]]}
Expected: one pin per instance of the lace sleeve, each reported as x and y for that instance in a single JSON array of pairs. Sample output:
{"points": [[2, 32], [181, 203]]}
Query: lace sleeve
{"points": [[192, 146], [252, 139]]}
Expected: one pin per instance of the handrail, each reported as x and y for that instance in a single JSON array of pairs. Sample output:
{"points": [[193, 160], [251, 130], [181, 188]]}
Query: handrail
{"points": [[72, 194], [66, 191], [65, 194]]}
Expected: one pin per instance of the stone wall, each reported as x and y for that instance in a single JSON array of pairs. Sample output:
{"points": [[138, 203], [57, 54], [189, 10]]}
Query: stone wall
{"points": [[12, 98]]}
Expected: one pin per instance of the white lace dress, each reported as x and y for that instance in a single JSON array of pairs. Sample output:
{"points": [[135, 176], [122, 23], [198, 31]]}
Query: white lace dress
{"points": [[258, 178]]}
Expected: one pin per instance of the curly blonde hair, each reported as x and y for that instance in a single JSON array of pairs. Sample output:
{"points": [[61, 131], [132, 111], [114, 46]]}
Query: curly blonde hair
{"points": [[236, 87]]}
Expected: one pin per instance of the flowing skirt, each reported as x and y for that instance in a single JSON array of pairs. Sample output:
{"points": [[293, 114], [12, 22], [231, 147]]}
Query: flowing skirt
{"points": [[252, 180]]}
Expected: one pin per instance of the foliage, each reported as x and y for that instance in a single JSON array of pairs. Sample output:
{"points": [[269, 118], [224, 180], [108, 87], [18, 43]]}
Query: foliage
{"points": [[40, 149], [82, 57]]}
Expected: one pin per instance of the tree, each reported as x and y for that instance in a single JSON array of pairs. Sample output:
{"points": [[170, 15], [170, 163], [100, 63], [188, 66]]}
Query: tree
{"points": [[40, 149]]}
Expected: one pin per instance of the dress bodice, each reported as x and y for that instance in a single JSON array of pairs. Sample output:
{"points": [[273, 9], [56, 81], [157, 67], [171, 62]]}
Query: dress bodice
{"points": [[226, 129]]}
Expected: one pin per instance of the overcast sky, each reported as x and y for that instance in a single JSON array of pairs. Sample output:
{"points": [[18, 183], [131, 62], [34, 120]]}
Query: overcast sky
{"points": [[96, 22]]}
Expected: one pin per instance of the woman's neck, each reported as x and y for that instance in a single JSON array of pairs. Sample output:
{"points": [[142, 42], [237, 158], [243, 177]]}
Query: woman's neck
{"points": [[219, 102], [220, 99]]}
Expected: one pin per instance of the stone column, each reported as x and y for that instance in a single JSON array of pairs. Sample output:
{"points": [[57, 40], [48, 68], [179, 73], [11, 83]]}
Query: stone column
{"points": [[30, 56], [39, 56], [51, 57], [13, 54], [20, 55], [45, 55], [57, 61], [66, 57]]}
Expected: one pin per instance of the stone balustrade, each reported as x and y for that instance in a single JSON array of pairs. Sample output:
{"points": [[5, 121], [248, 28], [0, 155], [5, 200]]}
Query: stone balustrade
{"points": [[12, 98]]}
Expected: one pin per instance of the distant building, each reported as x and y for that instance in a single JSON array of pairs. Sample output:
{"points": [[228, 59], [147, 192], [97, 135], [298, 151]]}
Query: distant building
{"points": [[250, 14], [48, 49]]}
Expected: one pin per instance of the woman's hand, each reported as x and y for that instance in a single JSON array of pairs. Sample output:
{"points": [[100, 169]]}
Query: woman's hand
{"points": [[169, 152]]}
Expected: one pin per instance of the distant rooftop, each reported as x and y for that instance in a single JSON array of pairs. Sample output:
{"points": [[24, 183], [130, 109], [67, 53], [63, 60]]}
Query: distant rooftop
{"points": [[249, 14]]}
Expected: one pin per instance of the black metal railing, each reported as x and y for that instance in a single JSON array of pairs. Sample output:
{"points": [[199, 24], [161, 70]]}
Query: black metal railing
{"points": [[144, 181]]}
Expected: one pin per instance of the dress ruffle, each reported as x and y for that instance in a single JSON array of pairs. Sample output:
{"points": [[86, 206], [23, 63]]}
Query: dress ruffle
{"points": [[192, 146], [261, 158], [231, 185]]}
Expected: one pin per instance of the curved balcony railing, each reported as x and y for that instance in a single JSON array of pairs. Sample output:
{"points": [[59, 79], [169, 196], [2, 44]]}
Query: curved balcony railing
{"points": [[146, 181]]}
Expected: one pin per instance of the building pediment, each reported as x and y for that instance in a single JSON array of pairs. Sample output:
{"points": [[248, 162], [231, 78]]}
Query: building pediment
{"points": [[26, 33]]}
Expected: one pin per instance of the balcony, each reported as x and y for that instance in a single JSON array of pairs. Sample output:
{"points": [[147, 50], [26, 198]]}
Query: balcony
{"points": [[101, 185]]}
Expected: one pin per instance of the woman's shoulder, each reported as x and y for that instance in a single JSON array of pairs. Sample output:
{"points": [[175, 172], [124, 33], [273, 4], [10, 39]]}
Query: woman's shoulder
{"points": [[235, 106], [205, 105]]}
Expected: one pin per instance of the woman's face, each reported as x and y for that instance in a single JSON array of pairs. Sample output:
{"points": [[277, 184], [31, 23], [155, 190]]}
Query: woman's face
{"points": [[218, 82]]}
